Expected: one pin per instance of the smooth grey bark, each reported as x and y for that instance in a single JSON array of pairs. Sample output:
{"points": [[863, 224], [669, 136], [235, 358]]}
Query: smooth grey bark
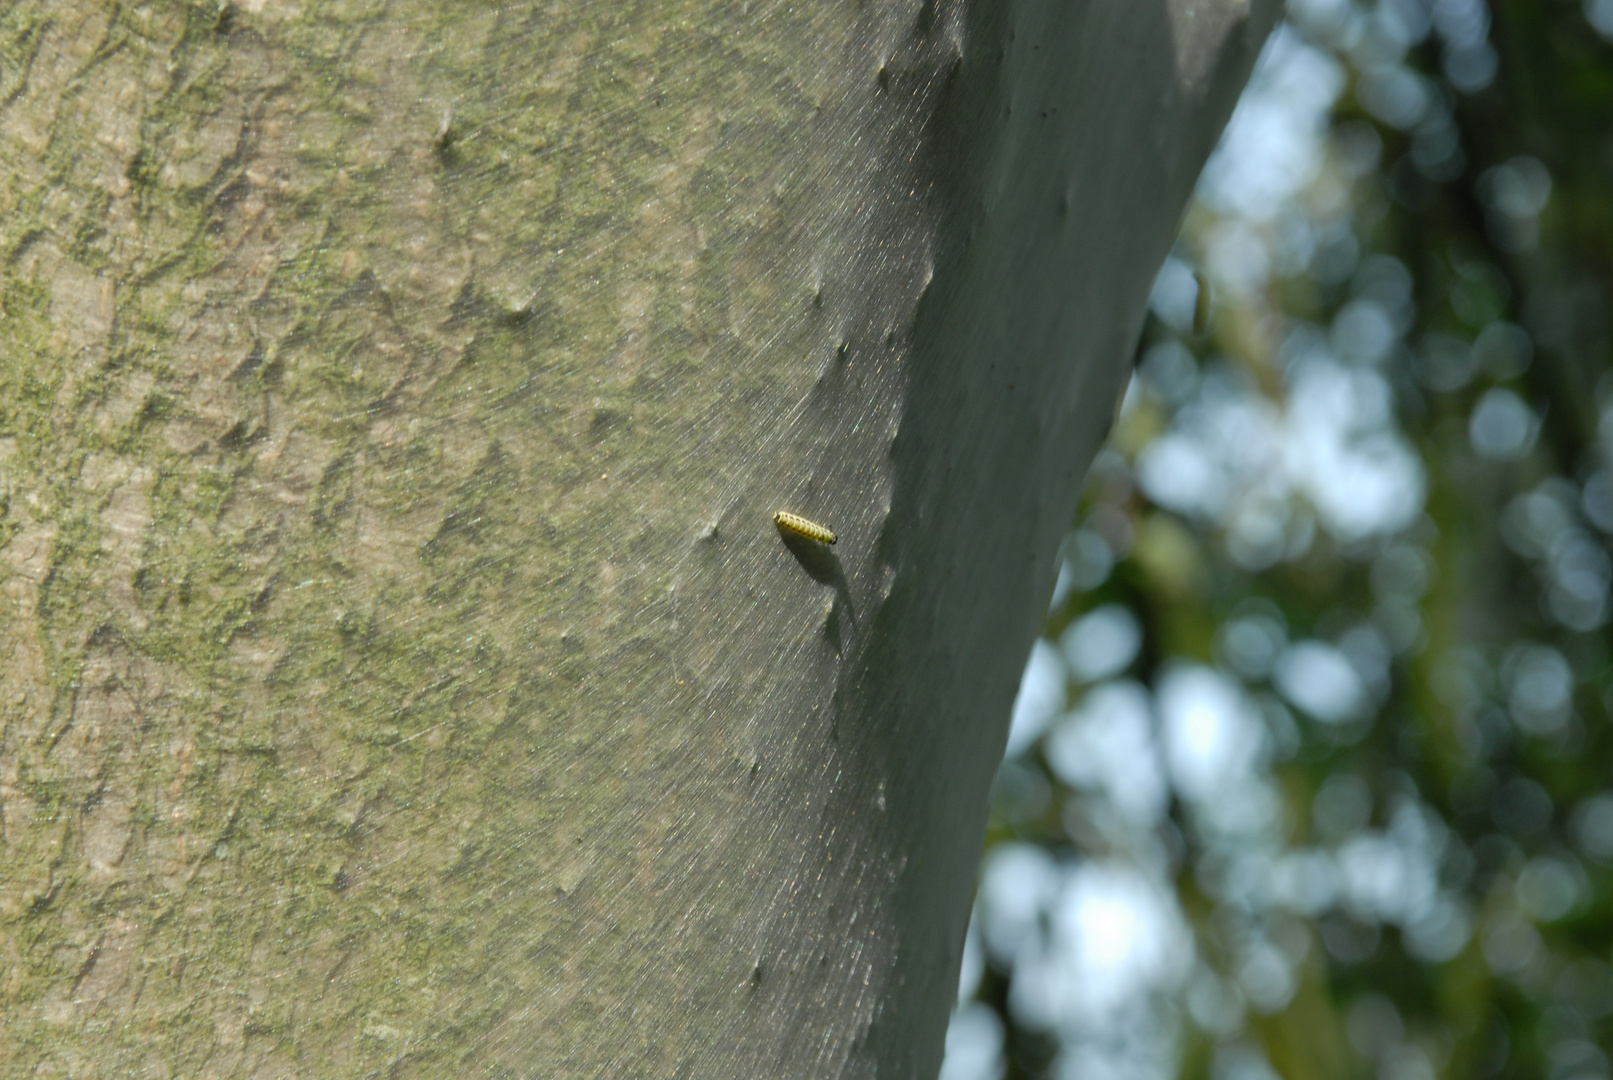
{"points": [[404, 673]]}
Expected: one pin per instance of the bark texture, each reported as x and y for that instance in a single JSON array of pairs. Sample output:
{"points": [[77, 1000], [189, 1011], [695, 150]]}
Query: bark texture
{"points": [[400, 672]]}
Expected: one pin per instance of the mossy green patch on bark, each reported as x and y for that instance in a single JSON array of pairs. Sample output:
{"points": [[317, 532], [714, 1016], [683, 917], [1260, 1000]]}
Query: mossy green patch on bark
{"points": [[362, 365]]}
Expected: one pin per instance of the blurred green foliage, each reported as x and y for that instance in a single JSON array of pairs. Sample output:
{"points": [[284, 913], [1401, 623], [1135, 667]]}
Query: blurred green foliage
{"points": [[1410, 874]]}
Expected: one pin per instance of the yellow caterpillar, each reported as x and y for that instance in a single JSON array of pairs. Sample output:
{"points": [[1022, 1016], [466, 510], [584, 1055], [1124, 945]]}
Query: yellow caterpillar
{"points": [[802, 527]]}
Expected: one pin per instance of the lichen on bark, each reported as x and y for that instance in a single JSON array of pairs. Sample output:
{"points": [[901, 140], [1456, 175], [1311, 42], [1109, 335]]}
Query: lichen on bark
{"points": [[338, 337]]}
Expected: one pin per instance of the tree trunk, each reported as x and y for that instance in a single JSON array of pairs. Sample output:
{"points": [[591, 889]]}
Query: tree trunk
{"points": [[403, 672]]}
